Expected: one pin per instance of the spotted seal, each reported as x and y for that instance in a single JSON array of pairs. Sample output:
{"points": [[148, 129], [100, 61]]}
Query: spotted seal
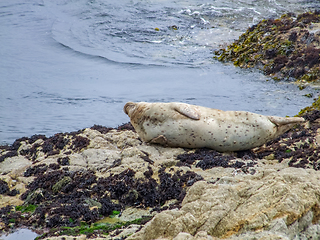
{"points": [[184, 125]]}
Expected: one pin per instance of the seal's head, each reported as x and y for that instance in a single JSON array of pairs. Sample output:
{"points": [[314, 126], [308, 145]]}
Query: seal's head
{"points": [[129, 108]]}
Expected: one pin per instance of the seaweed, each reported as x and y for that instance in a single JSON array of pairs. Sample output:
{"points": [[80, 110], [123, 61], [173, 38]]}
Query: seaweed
{"points": [[311, 115], [65, 199], [49, 146], [309, 17], [208, 159], [80, 143], [282, 48], [96, 229], [104, 130], [26, 208], [8, 155], [297, 145], [4, 188], [65, 161], [312, 110], [58, 143], [126, 126], [35, 170], [187, 159]]}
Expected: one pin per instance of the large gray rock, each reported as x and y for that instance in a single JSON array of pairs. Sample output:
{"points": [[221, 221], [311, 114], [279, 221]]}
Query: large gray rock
{"points": [[277, 204]]}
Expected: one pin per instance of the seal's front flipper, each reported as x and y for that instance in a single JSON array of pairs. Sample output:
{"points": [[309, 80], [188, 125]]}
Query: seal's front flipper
{"points": [[187, 110], [159, 140]]}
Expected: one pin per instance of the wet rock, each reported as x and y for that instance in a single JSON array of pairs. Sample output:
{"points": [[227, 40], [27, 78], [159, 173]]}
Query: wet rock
{"points": [[313, 110], [285, 48]]}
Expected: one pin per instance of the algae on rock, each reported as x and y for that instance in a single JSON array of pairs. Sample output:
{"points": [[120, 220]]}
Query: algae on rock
{"points": [[191, 194], [285, 48]]}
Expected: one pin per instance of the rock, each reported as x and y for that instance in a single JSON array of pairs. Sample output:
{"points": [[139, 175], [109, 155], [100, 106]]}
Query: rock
{"points": [[183, 235], [123, 233], [285, 48], [14, 164], [244, 203], [131, 213], [81, 237], [269, 192], [7, 200]]}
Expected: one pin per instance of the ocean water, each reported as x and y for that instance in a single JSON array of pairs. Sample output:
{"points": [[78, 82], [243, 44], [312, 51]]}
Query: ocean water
{"points": [[69, 64], [20, 234]]}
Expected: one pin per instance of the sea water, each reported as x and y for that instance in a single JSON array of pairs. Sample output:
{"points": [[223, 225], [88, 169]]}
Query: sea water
{"points": [[67, 65]]}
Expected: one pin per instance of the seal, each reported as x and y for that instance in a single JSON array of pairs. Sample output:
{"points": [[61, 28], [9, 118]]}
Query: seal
{"points": [[190, 126]]}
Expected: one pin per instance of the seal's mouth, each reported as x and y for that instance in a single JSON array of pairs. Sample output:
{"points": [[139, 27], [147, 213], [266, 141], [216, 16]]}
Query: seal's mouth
{"points": [[128, 106]]}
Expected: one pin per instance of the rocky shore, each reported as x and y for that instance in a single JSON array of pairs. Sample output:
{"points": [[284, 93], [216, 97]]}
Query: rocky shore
{"points": [[286, 49], [105, 183]]}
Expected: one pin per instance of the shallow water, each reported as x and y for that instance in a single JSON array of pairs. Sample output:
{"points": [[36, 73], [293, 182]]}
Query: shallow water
{"points": [[20, 234], [67, 65]]}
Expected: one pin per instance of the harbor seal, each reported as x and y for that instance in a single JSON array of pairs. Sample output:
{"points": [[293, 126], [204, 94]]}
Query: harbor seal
{"points": [[190, 126]]}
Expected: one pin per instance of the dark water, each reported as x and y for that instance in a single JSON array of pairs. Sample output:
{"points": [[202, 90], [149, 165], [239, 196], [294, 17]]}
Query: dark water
{"points": [[69, 64]]}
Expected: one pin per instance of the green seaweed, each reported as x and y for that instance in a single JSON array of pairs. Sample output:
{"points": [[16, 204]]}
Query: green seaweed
{"points": [[114, 213], [60, 184], [12, 220], [28, 208], [101, 228], [315, 106]]}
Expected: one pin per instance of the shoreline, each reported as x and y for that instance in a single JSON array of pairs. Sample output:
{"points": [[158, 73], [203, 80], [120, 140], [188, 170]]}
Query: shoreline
{"points": [[286, 49], [68, 183], [105, 183]]}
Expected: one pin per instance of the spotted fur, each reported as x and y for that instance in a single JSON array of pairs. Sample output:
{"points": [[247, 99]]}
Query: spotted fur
{"points": [[184, 125]]}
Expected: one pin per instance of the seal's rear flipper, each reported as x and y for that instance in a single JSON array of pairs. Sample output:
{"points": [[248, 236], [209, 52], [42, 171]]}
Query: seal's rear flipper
{"points": [[187, 110], [284, 124], [280, 121]]}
